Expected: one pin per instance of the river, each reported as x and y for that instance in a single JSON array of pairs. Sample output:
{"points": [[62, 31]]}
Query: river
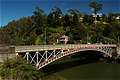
{"points": [[93, 71], [80, 67]]}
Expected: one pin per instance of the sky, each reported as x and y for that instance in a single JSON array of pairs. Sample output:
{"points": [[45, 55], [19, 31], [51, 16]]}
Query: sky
{"points": [[16, 9]]}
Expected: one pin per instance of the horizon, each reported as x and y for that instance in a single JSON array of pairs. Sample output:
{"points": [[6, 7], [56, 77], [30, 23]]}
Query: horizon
{"points": [[14, 10]]}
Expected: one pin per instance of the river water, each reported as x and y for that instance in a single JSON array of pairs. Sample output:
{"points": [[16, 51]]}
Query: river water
{"points": [[93, 71], [84, 67]]}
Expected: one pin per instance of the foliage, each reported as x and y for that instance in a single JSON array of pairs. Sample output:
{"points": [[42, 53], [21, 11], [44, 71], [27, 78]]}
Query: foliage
{"points": [[39, 40], [39, 21], [4, 37], [96, 6], [39, 27], [54, 34], [55, 17], [18, 69]]}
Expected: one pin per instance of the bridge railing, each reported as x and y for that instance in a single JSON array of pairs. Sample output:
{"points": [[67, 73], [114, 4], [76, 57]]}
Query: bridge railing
{"points": [[51, 47]]}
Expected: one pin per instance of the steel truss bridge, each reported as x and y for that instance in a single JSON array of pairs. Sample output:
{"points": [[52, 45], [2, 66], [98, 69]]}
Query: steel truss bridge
{"points": [[42, 55]]}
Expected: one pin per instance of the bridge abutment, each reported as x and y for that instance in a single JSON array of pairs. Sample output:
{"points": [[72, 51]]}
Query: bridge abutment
{"points": [[6, 52]]}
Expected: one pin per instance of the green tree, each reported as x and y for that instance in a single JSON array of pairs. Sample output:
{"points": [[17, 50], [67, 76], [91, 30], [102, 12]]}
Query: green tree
{"points": [[88, 19], [55, 18], [4, 37], [96, 6], [54, 34], [18, 69], [75, 29], [39, 21]]}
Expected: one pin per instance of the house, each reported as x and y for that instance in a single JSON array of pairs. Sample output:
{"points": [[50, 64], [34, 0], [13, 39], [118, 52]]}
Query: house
{"points": [[63, 39]]}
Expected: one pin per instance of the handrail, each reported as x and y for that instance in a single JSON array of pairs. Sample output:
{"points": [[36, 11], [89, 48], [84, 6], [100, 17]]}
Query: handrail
{"points": [[51, 47]]}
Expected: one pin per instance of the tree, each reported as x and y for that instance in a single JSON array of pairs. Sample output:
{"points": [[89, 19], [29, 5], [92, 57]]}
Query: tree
{"points": [[95, 6], [54, 34], [18, 69], [55, 18], [67, 21], [39, 21], [88, 19], [74, 28], [4, 37], [20, 32]]}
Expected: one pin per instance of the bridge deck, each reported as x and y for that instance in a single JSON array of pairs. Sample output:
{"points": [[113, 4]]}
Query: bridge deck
{"points": [[52, 47]]}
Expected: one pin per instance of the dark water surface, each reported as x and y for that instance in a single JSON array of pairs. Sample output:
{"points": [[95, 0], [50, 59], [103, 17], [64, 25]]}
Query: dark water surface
{"points": [[84, 67], [93, 71]]}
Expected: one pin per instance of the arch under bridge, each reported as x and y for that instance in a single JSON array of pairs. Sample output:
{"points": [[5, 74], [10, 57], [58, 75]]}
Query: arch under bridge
{"points": [[42, 55]]}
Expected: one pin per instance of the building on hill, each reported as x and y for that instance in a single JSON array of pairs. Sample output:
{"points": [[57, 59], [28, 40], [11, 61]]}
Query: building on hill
{"points": [[63, 39]]}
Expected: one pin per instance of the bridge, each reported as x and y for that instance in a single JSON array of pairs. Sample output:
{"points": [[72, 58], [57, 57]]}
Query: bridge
{"points": [[42, 55]]}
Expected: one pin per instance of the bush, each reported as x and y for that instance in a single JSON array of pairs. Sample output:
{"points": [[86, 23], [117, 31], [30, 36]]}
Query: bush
{"points": [[18, 69]]}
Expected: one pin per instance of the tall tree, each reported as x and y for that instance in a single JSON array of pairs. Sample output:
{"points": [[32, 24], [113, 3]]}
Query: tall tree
{"points": [[95, 6], [76, 28], [55, 17], [39, 19]]}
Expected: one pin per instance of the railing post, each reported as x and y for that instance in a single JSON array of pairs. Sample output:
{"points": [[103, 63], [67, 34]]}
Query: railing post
{"points": [[46, 55], [27, 56], [62, 51], [37, 56], [54, 53]]}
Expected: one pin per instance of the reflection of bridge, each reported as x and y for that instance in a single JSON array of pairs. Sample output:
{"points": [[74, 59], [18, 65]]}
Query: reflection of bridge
{"points": [[44, 54]]}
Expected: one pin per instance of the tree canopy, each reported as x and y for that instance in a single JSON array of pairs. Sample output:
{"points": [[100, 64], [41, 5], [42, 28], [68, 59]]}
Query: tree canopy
{"points": [[46, 29], [95, 6]]}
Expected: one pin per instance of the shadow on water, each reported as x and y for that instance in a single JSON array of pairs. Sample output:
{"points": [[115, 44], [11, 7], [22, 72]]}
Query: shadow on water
{"points": [[72, 61]]}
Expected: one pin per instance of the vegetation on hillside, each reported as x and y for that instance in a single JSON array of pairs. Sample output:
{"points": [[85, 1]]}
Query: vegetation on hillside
{"points": [[46, 29]]}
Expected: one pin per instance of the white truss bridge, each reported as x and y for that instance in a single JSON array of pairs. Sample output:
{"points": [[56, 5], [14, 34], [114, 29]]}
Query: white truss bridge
{"points": [[42, 55]]}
